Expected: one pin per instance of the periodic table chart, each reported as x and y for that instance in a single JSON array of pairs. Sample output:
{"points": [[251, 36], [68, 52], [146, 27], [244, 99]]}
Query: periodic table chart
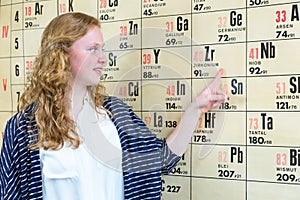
{"points": [[161, 53]]}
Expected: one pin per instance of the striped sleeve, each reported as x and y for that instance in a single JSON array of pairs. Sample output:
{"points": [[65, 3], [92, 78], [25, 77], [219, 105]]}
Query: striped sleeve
{"points": [[8, 173], [20, 174], [141, 136], [144, 156], [168, 158]]}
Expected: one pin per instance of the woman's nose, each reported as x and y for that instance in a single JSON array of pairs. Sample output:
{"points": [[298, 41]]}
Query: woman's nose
{"points": [[102, 59]]}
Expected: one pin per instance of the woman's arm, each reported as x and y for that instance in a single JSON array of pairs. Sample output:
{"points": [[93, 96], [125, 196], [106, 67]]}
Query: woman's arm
{"points": [[209, 98], [7, 163]]}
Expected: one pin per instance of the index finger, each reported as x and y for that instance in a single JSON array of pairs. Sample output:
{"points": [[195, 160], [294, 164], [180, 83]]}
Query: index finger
{"points": [[217, 78]]}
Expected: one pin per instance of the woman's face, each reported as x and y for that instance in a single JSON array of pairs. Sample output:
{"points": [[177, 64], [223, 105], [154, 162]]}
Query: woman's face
{"points": [[87, 59]]}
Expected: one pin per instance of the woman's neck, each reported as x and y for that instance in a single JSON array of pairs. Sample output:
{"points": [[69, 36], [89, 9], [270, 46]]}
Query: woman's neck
{"points": [[77, 99]]}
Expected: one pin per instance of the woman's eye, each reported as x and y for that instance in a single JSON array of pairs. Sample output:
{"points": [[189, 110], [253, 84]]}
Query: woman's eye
{"points": [[97, 48], [93, 49]]}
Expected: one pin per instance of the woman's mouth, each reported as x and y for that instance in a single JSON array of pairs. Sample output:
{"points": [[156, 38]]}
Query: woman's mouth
{"points": [[98, 70]]}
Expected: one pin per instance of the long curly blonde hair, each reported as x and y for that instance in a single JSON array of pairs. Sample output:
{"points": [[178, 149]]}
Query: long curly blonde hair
{"points": [[49, 83]]}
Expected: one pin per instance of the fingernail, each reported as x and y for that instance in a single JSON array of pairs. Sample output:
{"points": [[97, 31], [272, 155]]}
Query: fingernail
{"points": [[221, 71]]}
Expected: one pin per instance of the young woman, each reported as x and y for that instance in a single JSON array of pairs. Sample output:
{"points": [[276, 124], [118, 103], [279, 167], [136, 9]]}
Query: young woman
{"points": [[70, 140]]}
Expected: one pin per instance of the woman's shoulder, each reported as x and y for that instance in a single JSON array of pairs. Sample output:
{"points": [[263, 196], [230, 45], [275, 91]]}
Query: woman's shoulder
{"points": [[111, 98], [26, 114], [21, 118], [113, 101], [116, 106]]}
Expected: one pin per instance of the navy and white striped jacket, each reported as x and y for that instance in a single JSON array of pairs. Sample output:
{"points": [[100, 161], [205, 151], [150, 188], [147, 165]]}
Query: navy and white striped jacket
{"points": [[145, 157]]}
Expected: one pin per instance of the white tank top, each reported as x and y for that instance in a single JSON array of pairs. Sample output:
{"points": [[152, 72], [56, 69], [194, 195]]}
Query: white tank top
{"points": [[91, 172]]}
